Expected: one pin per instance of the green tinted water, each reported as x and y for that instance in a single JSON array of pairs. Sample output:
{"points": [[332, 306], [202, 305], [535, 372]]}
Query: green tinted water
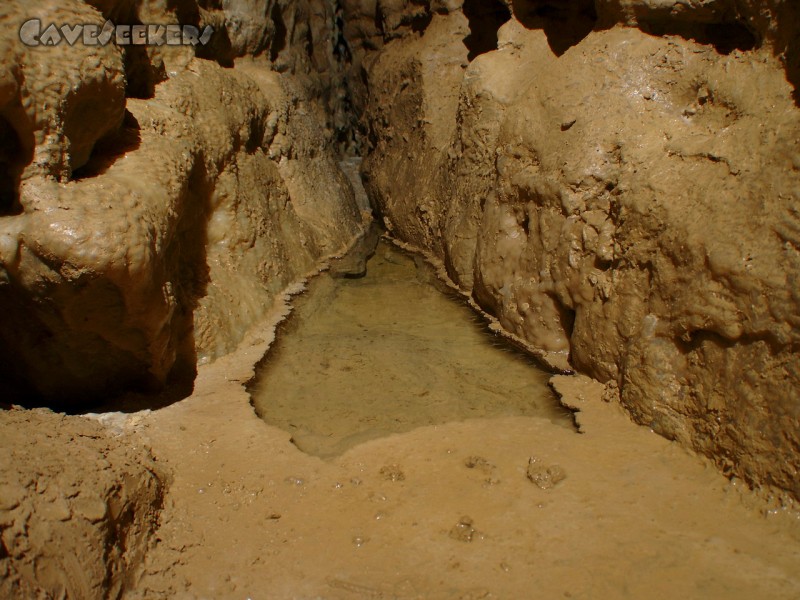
{"points": [[364, 358]]}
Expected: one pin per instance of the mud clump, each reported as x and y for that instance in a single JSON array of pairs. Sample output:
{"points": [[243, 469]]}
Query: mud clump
{"points": [[545, 476], [78, 507]]}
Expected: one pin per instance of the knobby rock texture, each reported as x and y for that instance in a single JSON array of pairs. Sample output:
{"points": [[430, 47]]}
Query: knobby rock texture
{"points": [[154, 202], [155, 199], [618, 183]]}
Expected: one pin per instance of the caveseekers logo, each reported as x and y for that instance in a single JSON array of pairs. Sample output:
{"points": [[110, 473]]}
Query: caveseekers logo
{"points": [[33, 33]]}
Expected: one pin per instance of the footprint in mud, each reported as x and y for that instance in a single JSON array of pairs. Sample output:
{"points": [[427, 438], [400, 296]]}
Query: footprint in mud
{"points": [[463, 531], [481, 464], [392, 473]]}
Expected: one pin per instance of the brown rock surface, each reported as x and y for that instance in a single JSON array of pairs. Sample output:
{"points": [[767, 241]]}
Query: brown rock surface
{"points": [[621, 199], [604, 184], [139, 238], [56, 104], [78, 506], [152, 206]]}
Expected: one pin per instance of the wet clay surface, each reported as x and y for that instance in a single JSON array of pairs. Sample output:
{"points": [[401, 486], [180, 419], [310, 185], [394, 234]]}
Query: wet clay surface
{"points": [[362, 358], [503, 507]]}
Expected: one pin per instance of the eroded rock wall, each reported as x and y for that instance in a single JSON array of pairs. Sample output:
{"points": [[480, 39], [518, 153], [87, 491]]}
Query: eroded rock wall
{"points": [[77, 507], [155, 199], [618, 183]]}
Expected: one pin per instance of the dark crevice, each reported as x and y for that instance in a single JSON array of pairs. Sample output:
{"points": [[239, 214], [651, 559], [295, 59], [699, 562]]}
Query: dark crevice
{"points": [[379, 20], [45, 364], [791, 59], [309, 43], [565, 22], [111, 148], [419, 23], [724, 37], [186, 11], [189, 262], [256, 137], [348, 135], [602, 264], [695, 339], [341, 49], [566, 317], [141, 77], [280, 35], [11, 165], [485, 19], [526, 224], [727, 37], [219, 49]]}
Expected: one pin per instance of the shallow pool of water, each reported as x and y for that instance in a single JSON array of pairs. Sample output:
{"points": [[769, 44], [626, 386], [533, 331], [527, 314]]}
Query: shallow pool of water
{"points": [[389, 352]]}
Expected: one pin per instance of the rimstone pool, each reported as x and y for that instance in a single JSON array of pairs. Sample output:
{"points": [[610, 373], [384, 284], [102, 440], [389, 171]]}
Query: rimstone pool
{"points": [[362, 358]]}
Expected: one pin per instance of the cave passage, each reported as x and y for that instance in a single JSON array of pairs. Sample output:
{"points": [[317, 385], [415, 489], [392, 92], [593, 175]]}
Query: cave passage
{"points": [[363, 358]]}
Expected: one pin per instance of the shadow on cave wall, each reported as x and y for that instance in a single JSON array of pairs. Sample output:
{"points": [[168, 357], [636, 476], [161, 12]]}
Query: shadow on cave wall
{"points": [[565, 22], [280, 37], [787, 45], [14, 157], [187, 263], [485, 18], [110, 149], [187, 267], [725, 36]]}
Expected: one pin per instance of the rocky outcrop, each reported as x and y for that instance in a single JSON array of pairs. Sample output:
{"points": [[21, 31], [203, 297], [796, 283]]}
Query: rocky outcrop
{"points": [[154, 202], [77, 507], [617, 183], [155, 199]]}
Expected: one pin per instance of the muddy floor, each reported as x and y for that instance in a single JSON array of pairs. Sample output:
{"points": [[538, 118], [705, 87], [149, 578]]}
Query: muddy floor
{"points": [[498, 506]]}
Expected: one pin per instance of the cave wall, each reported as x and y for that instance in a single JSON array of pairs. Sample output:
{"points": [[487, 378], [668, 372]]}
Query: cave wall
{"points": [[155, 199], [618, 184]]}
